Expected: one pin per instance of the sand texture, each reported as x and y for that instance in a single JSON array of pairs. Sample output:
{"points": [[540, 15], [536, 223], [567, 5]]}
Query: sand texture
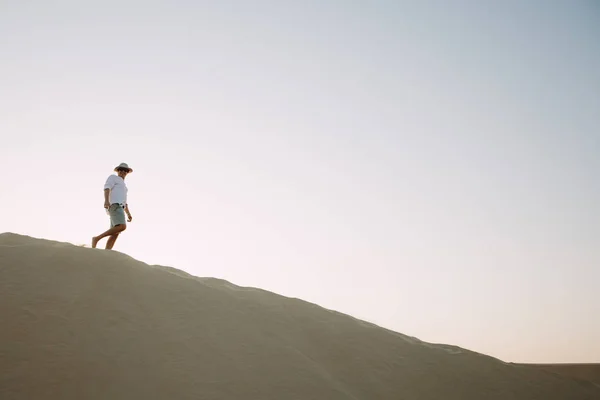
{"points": [[91, 324], [588, 372]]}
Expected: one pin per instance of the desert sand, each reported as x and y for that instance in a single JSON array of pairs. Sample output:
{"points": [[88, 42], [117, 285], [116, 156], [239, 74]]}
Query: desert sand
{"points": [[91, 324], [589, 372]]}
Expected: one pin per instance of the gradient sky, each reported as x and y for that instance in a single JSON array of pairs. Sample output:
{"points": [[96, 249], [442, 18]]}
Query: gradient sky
{"points": [[429, 166]]}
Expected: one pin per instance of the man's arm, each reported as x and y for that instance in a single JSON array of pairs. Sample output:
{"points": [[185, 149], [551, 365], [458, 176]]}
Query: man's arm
{"points": [[110, 183], [106, 196], [129, 217]]}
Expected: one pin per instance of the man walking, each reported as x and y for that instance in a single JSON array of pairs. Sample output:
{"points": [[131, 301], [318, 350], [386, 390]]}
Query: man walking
{"points": [[115, 202]]}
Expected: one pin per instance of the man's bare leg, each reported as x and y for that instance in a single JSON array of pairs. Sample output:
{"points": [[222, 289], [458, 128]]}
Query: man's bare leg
{"points": [[111, 241], [115, 230]]}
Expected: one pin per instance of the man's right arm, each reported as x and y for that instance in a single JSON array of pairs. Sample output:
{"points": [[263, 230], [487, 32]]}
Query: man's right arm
{"points": [[106, 196], [110, 183]]}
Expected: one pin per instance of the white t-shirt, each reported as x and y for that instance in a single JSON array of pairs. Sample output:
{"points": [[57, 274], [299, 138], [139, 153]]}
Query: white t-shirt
{"points": [[118, 189]]}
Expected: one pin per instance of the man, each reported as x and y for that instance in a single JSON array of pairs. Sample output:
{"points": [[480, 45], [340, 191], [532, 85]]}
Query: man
{"points": [[115, 203]]}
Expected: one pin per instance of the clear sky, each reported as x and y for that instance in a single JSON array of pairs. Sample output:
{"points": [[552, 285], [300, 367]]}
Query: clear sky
{"points": [[430, 166]]}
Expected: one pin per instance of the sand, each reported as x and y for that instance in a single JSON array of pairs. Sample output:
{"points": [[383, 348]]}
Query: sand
{"points": [[81, 323], [584, 371]]}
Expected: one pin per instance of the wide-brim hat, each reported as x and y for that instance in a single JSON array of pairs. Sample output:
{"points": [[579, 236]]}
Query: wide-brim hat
{"points": [[123, 166]]}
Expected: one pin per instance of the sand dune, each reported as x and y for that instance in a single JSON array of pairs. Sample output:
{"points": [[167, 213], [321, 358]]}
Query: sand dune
{"points": [[91, 324], [588, 372]]}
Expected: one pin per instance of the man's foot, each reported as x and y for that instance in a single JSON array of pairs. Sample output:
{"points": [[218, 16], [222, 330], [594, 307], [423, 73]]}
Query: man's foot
{"points": [[94, 242]]}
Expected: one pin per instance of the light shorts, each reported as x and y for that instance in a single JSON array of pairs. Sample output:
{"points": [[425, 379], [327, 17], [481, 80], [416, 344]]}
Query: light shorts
{"points": [[117, 215]]}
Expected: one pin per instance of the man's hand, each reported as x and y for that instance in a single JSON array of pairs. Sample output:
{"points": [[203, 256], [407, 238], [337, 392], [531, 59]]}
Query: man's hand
{"points": [[129, 217], [107, 204]]}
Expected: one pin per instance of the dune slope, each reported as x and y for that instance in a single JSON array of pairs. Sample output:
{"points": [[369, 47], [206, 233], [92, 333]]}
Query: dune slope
{"points": [[588, 372], [91, 324]]}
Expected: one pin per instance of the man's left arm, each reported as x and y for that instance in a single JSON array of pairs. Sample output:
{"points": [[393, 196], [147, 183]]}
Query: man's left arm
{"points": [[129, 217]]}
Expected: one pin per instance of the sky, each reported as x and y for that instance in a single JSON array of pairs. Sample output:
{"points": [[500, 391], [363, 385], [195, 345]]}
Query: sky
{"points": [[428, 166]]}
